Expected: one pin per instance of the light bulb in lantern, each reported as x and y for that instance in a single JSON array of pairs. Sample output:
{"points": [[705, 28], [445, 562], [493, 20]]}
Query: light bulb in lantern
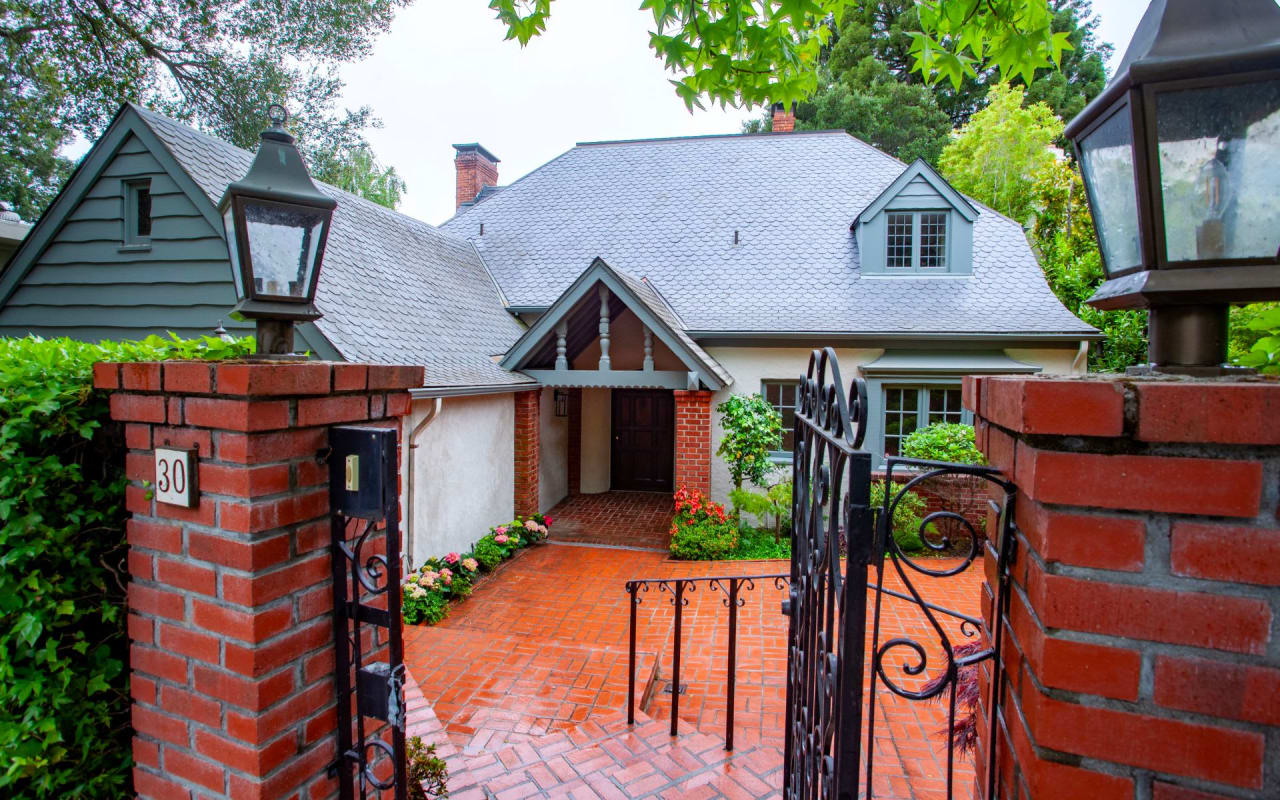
{"points": [[1213, 188]]}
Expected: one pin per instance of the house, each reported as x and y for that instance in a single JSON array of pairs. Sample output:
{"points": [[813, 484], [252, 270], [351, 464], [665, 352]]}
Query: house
{"points": [[12, 231], [579, 325]]}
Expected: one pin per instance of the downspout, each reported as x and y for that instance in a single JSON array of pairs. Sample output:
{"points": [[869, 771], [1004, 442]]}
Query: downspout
{"points": [[412, 527]]}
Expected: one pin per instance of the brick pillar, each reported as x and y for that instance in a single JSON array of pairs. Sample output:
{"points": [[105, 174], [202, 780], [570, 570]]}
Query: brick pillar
{"points": [[693, 440], [1141, 656], [528, 427], [574, 454], [230, 602]]}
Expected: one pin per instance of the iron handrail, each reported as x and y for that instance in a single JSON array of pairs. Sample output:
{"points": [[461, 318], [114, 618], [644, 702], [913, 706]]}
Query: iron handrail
{"points": [[677, 587]]}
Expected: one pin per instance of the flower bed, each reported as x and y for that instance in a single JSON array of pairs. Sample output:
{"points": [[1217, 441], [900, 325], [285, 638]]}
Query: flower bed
{"points": [[429, 591], [701, 531]]}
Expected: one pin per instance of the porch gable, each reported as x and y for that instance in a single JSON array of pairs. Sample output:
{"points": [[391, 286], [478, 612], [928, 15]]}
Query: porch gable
{"points": [[583, 317]]}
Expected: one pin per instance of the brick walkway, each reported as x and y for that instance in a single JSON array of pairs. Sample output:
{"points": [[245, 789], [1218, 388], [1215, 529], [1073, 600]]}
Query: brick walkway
{"points": [[533, 668], [620, 519]]}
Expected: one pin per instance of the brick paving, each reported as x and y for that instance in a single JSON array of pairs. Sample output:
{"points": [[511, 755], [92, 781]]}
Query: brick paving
{"points": [[534, 667], [621, 519]]}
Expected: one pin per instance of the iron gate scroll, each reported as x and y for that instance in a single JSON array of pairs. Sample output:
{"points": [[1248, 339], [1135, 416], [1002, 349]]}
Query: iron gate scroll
{"points": [[365, 548], [837, 540]]}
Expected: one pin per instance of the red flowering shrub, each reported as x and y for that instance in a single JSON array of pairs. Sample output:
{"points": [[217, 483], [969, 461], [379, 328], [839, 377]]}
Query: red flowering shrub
{"points": [[701, 530]]}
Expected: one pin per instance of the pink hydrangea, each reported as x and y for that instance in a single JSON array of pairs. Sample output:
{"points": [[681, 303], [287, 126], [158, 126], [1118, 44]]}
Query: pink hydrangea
{"points": [[531, 525], [470, 564], [446, 573], [501, 538], [501, 529], [452, 558]]}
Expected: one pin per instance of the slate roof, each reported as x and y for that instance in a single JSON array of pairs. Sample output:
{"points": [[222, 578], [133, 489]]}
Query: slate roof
{"points": [[667, 210], [393, 289], [657, 305]]}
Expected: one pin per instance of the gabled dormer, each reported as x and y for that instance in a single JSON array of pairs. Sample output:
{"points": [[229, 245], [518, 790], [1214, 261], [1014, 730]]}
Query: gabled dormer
{"points": [[919, 226]]}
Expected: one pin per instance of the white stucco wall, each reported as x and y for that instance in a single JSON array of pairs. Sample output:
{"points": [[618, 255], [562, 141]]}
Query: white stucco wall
{"points": [[1060, 361], [597, 426], [553, 453], [464, 479], [751, 365]]}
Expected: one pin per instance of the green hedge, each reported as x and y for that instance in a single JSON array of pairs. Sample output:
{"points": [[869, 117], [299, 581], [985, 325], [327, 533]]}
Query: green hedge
{"points": [[64, 694]]}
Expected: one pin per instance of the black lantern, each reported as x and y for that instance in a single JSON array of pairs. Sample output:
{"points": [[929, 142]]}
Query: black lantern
{"points": [[276, 223], [1181, 159]]}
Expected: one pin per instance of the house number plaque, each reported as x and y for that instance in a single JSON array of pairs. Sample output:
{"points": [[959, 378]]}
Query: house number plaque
{"points": [[176, 477]]}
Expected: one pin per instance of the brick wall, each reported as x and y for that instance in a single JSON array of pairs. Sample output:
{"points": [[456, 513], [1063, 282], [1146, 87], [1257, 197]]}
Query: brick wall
{"points": [[527, 429], [784, 119], [693, 440], [230, 602], [574, 448], [965, 495], [474, 172], [1142, 655]]}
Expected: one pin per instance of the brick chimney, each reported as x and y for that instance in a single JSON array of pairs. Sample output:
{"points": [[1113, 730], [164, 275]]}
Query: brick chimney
{"points": [[784, 118], [477, 168]]}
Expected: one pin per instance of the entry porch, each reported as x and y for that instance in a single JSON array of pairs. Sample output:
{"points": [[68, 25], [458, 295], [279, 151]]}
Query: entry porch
{"points": [[624, 403]]}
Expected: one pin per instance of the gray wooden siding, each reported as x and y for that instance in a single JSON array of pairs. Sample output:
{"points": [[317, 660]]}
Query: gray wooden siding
{"points": [[87, 285], [919, 194]]}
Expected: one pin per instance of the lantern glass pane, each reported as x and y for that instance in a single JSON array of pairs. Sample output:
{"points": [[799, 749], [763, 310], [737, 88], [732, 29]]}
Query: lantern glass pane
{"points": [[1106, 157], [283, 241], [1219, 169], [233, 249]]}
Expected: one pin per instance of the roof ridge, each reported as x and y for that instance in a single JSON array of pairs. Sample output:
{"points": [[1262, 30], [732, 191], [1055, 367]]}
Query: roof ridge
{"points": [[464, 209], [698, 136], [146, 113]]}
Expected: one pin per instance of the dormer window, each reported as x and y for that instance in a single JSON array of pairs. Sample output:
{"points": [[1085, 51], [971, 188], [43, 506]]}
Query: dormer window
{"points": [[933, 240], [916, 240], [919, 225]]}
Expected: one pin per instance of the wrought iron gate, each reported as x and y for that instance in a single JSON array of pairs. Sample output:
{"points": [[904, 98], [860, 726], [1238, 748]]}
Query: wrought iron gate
{"points": [[365, 547], [838, 540]]}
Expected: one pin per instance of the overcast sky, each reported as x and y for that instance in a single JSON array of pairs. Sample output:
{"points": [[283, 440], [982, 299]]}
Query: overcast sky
{"points": [[444, 74]]}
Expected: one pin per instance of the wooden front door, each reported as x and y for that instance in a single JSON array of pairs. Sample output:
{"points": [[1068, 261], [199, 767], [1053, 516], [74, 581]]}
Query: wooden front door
{"points": [[643, 453]]}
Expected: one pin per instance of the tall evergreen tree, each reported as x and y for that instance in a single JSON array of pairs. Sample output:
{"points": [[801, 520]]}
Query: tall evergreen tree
{"points": [[67, 65], [883, 29]]}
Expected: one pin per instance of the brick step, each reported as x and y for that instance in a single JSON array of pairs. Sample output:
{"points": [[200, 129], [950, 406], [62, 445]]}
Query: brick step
{"points": [[607, 758]]}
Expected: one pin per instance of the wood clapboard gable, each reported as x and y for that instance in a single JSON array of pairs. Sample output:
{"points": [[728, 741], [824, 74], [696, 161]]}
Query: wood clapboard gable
{"points": [[87, 285], [74, 275]]}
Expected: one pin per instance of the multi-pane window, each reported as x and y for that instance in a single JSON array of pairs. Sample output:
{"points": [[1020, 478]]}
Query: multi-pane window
{"points": [[933, 240], [782, 396], [945, 405], [901, 417], [907, 408], [899, 246], [916, 240]]}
